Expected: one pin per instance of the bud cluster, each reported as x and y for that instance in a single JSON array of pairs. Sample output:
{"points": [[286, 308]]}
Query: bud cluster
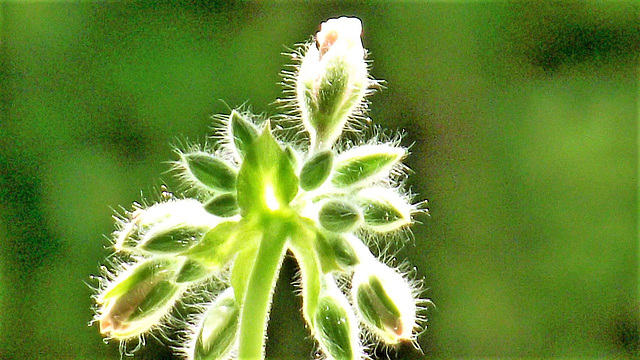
{"points": [[253, 197]]}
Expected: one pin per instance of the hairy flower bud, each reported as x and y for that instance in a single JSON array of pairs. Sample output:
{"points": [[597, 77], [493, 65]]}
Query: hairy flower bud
{"points": [[384, 301], [332, 80], [139, 298]]}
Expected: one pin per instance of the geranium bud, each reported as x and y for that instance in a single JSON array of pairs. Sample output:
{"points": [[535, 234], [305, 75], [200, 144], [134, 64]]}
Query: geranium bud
{"points": [[218, 330], [332, 80], [384, 301], [138, 299], [339, 216], [335, 326], [316, 170], [162, 218]]}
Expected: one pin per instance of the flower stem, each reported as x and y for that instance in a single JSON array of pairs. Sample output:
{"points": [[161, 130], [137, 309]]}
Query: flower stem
{"points": [[257, 298]]}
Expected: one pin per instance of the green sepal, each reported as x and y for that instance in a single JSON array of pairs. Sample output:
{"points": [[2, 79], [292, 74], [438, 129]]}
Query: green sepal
{"points": [[376, 307], [292, 156], [339, 216], [242, 268], [383, 209], [244, 133], [213, 173], [333, 329], [380, 213], [218, 245], [365, 163], [191, 271], [157, 297], [316, 170], [172, 241], [334, 252], [266, 181], [219, 328], [225, 205], [145, 272]]}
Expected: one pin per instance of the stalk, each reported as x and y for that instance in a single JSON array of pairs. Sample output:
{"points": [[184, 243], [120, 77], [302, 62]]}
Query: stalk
{"points": [[257, 298]]}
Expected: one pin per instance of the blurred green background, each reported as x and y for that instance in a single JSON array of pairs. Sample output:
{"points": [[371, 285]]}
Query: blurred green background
{"points": [[523, 120]]}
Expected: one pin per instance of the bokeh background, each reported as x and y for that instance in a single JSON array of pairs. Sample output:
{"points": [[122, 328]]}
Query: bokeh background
{"points": [[523, 121]]}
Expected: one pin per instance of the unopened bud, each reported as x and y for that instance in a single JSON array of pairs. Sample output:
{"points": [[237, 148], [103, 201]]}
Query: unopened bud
{"points": [[160, 219], [138, 299], [218, 330], [385, 302], [332, 79]]}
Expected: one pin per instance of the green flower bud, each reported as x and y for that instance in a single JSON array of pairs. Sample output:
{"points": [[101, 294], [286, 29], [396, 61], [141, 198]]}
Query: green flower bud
{"points": [[208, 171], [339, 216], [384, 209], [242, 131], [316, 170], [364, 164], [335, 326], [225, 205], [217, 333], [385, 302], [138, 299], [332, 80]]}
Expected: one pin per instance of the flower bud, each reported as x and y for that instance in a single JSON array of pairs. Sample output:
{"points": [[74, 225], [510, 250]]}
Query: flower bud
{"points": [[332, 80], [316, 170], [217, 333], [339, 216], [365, 164], [383, 209], [162, 218], [209, 171], [138, 299], [335, 326], [384, 301], [172, 240]]}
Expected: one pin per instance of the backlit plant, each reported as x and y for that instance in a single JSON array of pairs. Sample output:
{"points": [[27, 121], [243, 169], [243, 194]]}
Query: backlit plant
{"points": [[257, 193]]}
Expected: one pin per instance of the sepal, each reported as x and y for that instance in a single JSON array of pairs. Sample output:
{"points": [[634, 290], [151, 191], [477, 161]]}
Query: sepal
{"points": [[365, 164], [209, 171], [384, 210], [217, 331], [339, 216]]}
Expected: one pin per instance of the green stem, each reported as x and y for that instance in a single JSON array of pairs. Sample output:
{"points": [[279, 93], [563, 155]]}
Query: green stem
{"points": [[257, 297]]}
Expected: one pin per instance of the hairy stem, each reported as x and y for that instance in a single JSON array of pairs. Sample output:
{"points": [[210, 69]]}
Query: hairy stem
{"points": [[257, 297]]}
